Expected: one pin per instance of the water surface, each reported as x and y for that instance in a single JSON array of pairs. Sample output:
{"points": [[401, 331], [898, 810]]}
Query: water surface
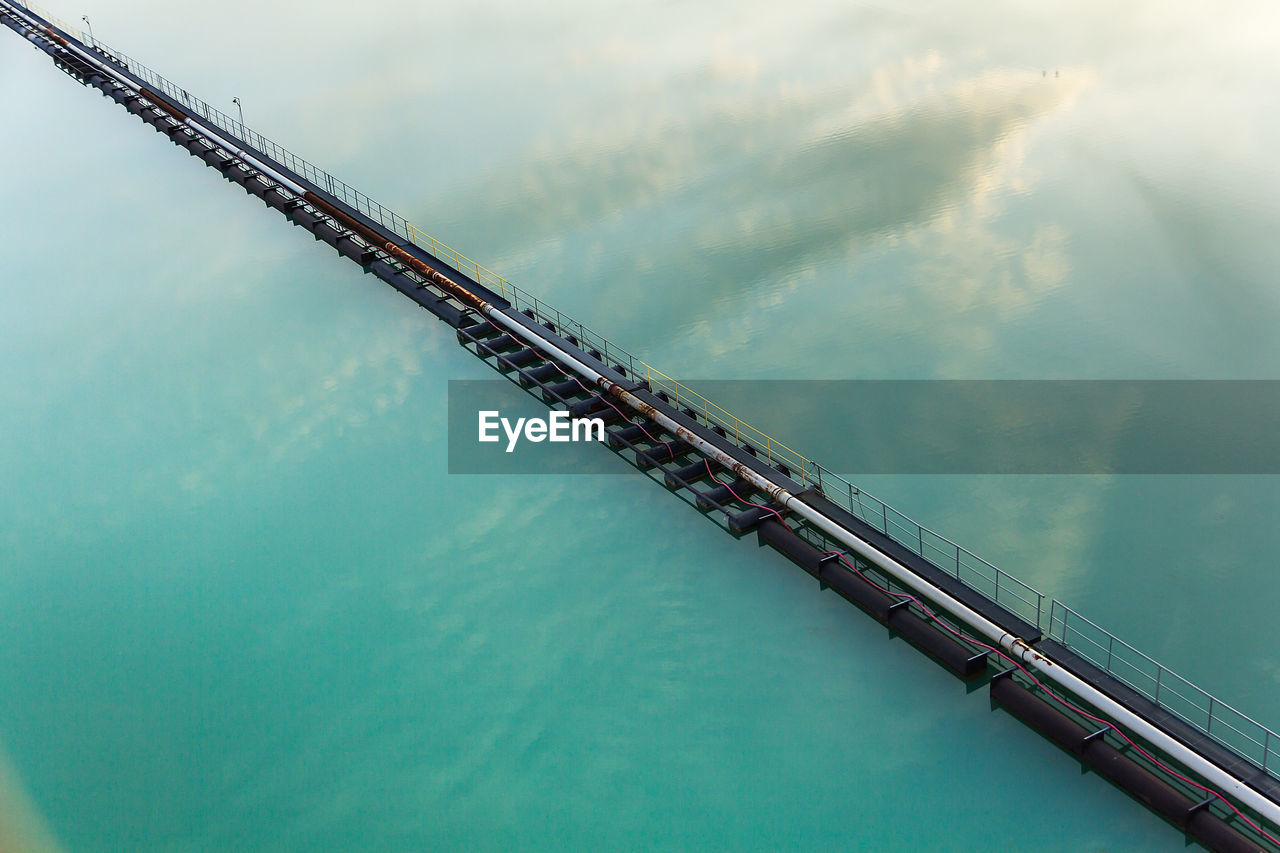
{"points": [[242, 604]]}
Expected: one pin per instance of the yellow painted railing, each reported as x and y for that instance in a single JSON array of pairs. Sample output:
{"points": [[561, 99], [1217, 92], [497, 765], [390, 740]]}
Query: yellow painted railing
{"points": [[53, 19], [462, 263], [774, 450]]}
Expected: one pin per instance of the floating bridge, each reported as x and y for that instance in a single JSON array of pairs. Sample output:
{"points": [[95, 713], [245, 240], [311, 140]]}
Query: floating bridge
{"points": [[1203, 766]]}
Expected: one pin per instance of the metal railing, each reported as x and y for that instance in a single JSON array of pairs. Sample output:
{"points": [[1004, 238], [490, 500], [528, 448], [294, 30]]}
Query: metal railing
{"points": [[1220, 721], [800, 467], [1240, 733], [1020, 599]]}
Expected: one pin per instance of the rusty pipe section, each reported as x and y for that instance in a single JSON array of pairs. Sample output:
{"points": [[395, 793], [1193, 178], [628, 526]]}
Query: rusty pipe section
{"points": [[423, 269]]}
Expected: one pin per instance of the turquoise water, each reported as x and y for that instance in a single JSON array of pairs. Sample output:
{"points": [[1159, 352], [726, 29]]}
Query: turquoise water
{"points": [[243, 606]]}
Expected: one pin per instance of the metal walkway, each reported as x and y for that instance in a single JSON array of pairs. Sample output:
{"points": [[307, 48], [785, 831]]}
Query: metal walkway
{"points": [[978, 620]]}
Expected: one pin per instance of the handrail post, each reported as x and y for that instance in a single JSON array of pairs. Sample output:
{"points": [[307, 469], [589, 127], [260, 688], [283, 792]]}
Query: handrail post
{"points": [[1111, 644]]}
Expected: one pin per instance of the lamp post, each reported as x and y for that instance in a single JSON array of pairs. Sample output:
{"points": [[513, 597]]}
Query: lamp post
{"points": [[85, 18], [239, 107]]}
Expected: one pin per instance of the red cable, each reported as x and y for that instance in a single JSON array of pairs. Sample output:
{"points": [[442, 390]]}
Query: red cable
{"points": [[1058, 698], [607, 402], [736, 495]]}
